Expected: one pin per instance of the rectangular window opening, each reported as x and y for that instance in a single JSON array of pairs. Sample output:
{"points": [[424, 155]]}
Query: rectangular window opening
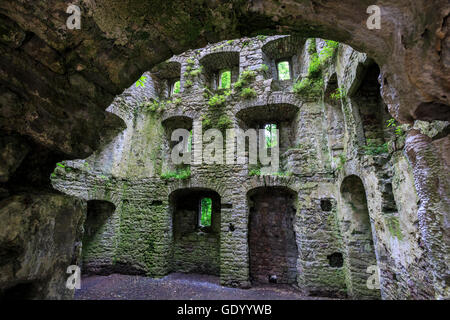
{"points": [[284, 70], [225, 79], [205, 212], [176, 88], [270, 135]]}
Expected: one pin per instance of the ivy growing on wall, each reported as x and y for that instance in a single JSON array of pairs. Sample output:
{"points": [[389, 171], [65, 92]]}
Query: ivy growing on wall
{"points": [[312, 85]]}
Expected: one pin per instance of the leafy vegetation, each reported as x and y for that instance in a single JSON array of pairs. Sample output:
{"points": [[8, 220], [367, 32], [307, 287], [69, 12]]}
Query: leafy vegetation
{"points": [[181, 174], [373, 148], [225, 79], [391, 123], [245, 78], [141, 82], [338, 94], [312, 84], [309, 87], [271, 135], [206, 206], [218, 99], [248, 93], [284, 72]]}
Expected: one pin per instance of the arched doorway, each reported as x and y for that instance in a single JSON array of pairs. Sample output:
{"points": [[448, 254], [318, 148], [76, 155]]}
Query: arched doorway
{"points": [[358, 239], [272, 241]]}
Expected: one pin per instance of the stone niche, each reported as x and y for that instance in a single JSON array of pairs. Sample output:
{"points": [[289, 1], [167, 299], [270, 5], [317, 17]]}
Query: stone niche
{"points": [[196, 248], [283, 49], [272, 241], [283, 115], [165, 76], [171, 124], [214, 63], [358, 237]]}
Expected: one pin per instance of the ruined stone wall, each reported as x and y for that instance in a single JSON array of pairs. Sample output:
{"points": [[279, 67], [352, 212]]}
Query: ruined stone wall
{"points": [[324, 143]]}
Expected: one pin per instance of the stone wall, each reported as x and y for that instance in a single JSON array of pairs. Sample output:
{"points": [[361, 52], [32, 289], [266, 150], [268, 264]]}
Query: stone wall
{"points": [[325, 143]]}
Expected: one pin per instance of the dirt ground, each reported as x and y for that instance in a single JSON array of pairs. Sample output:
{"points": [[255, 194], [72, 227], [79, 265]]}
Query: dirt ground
{"points": [[178, 286]]}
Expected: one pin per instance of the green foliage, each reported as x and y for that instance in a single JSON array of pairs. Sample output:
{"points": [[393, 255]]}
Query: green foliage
{"points": [[225, 79], [309, 87], [206, 123], [248, 93], [176, 87], [312, 46], [181, 174], [257, 172], [141, 82], [218, 99], [338, 94], [341, 161], [373, 148], [271, 135], [261, 37], [312, 84], [284, 72], [206, 205], [188, 83], [391, 123], [61, 165], [152, 106], [196, 72], [224, 122], [245, 78]]}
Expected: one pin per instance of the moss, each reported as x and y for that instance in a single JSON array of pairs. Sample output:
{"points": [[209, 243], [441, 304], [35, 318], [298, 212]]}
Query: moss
{"points": [[310, 88], [182, 174], [393, 225], [248, 93]]}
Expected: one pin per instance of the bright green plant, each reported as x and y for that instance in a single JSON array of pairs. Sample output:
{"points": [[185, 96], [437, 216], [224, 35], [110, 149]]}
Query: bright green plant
{"points": [[372, 148], [245, 78], [141, 82], [176, 87], [225, 79], [392, 123], [206, 211], [284, 72], [255, 172], [248, 93], [179, 174], [309, 87]]}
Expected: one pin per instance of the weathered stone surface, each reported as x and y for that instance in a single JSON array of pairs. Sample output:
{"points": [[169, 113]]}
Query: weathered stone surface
{"points": [[322, 141], [56, 84], [40, 236]]}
